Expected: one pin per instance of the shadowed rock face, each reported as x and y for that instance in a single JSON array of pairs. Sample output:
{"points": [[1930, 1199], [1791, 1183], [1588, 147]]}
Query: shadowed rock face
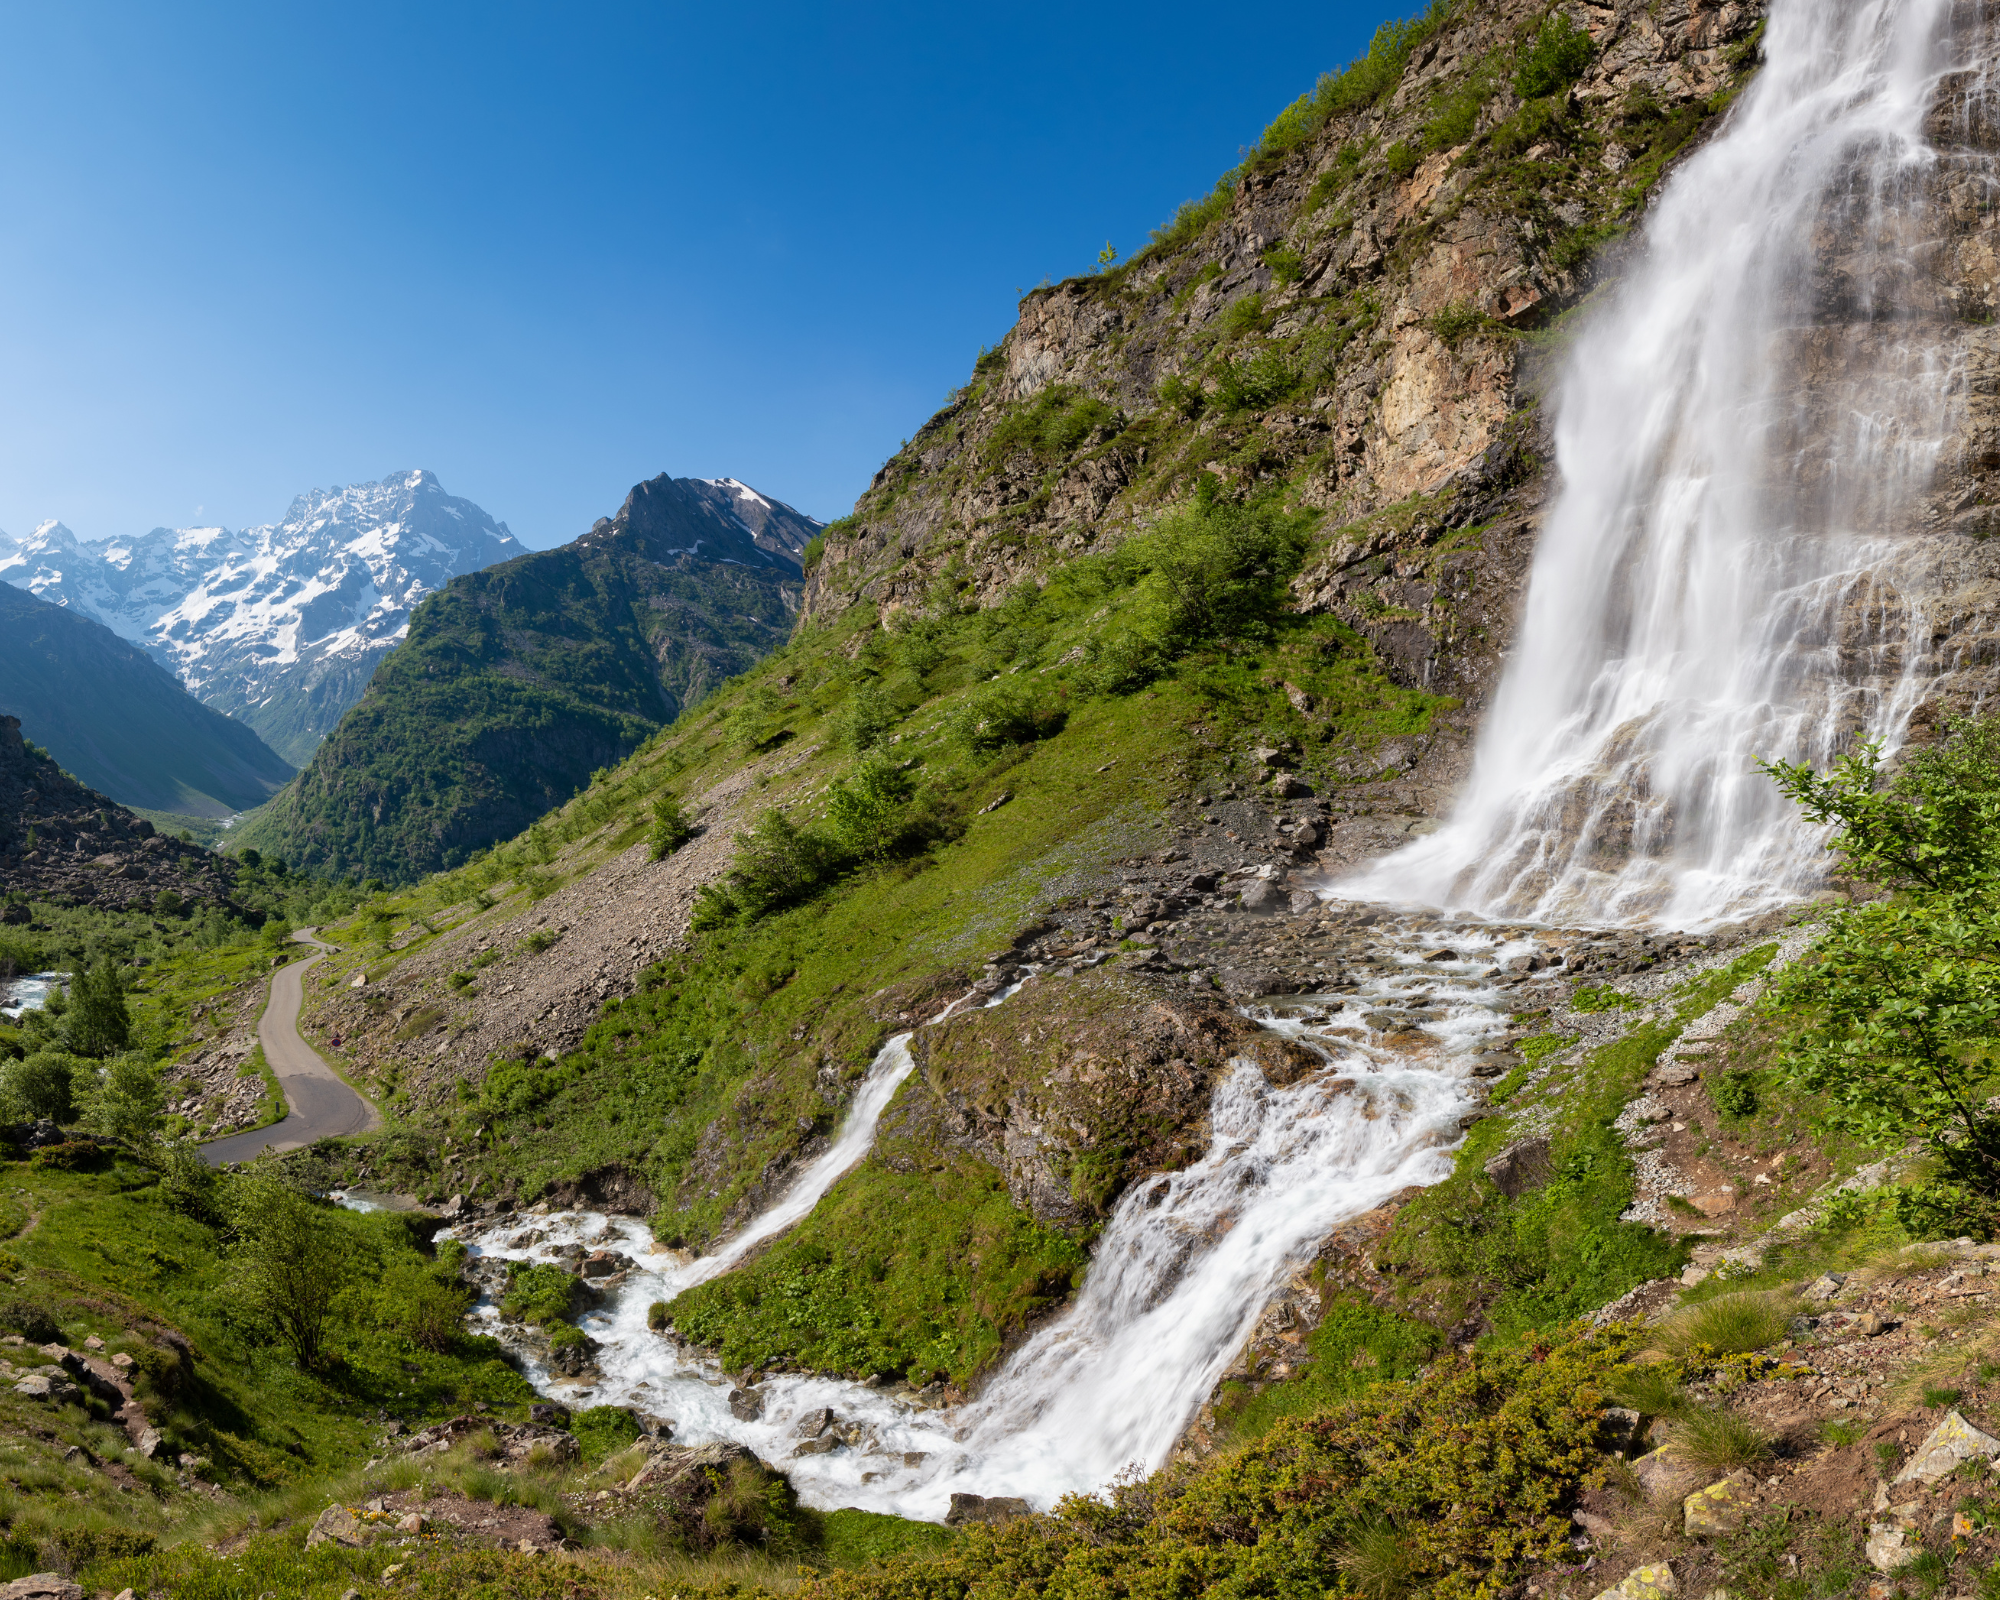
{"points": [[60, 840]]}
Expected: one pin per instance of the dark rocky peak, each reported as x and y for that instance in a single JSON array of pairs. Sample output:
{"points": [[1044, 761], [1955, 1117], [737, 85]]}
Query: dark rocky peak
{"points": [[717, 518]]}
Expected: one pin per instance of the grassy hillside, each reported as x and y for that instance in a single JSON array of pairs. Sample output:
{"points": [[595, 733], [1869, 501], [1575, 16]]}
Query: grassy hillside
{"points": [[118, 720], [517, 683]]}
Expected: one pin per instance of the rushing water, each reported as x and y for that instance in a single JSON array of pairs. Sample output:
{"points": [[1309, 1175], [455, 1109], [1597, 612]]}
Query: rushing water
{"points": [[29, 992], [1184, 1266], [1744, 435]]}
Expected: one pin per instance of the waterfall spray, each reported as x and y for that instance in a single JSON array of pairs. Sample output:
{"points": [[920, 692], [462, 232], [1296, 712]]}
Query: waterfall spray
{"points": [[1745, 436]]}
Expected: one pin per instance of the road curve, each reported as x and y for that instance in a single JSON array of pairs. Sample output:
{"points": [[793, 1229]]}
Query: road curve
{"points": [[321, 1105]]}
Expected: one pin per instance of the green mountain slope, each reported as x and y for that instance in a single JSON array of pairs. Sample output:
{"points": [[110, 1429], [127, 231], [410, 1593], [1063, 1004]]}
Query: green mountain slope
{"points": [[517, 683], [113, 716]]}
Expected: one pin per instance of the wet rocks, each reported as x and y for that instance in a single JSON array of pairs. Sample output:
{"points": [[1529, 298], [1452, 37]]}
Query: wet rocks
{"points": [[746, 1405]]}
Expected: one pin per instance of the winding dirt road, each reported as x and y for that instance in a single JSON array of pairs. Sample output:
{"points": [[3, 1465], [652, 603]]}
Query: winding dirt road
{"points": [[321, 1105]]}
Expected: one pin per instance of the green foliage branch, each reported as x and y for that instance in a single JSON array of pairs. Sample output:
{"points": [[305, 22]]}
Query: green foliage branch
{"points": [[1905, 991]]}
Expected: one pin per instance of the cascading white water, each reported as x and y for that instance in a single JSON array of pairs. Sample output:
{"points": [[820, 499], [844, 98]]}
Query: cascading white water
{"points": [[1745, 434], [1184, 1266]]}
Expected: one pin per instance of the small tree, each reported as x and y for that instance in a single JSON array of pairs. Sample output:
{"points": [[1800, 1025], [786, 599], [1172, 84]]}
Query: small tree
{"points": [[125, 1100], [42, 1085], [292, 1258], [97, 1023], [1907, 989], [671, 828]]}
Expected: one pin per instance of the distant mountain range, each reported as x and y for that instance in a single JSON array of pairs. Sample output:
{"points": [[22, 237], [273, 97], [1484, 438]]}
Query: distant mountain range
{"points": [[279, 626], [121, 722], [516, 683]]}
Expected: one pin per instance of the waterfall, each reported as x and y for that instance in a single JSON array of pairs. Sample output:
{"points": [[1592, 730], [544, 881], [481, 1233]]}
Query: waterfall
{"points": [[1746, 434]]}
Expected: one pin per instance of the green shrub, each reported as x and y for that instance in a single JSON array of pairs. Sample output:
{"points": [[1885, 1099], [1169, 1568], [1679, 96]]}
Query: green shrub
{"points": [[603, 1431], [424, 1306], [1181, 397], [30, 1315], [815, 550], [1734, 1093], [1402, 160], [1256, 382], [1555, 58], [76, 1155], [1475, 1464], [1602, 997], [1008, 712], [1286, 264], [188, 1184], [1946, 1211], [1049, 427], [1243, 315], [542, 1294], [42, 1085], [671, 828]]}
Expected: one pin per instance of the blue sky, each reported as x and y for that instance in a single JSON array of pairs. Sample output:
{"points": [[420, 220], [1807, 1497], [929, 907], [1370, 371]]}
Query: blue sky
{"points": [[549, 250]]}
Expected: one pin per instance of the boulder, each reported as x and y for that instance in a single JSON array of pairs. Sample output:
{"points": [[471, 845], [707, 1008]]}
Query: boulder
{"points": [[55, 1391], [1522, 1166], [42, 1586], [1665, 1472], [547, 1414], [1719, 1509], [1261, 895], [1890, 1547], [1951, 1442], [993, 1509], [815, 1422], [745, 1405], [1643, 1583], [339, 1526]]}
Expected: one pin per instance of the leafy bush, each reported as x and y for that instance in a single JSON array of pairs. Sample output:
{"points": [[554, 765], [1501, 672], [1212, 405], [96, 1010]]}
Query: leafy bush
{"points": [[1241, 316], [1946, 1211], [871, 813], [1182, 397], [1401, 160], [419, 1303], [1005, 713], [542, 1294], [122, 1099], [41, 1085], [1734, 1093], [188, 1184], [1554, 59], [29, 1315], [1475, 1465], [1286, 264], [77, 1155], [671, 828], [1905, 992], [291, 1258], [1256, 382], [97, 1022], [603, 1431]]}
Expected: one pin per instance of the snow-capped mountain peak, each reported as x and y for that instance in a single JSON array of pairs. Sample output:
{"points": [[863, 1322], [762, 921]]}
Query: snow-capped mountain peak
{"points": [[281, 625]]}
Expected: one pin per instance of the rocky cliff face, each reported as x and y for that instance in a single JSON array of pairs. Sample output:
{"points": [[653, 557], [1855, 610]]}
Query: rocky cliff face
{"points": [[1360, 318]]}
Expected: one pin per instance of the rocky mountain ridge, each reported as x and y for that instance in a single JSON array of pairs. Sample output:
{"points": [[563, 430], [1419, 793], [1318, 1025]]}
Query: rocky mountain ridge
{"points": [[518, 682]]}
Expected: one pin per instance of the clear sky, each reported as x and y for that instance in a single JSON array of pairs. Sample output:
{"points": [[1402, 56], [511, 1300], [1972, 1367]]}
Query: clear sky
{"points": [[548, 250]]}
